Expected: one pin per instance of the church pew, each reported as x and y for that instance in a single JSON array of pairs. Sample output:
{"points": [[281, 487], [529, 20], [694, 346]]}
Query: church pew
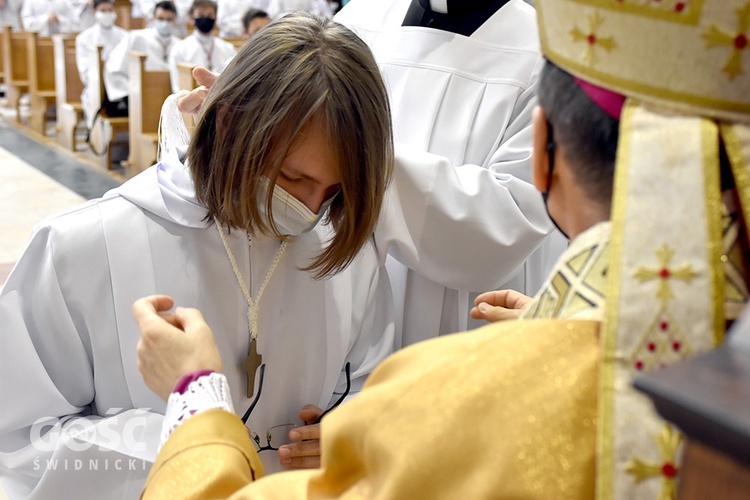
{"points": [[96, 97], [41, 66], [185, 78], [125, 19], [68, 87], [15, 67], [2, 64], [186, 82], [237, 41], [147, 90]]}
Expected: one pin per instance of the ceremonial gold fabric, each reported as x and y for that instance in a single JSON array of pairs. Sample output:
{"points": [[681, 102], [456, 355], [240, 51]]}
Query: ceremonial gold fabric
{"points": [[506, 411], [690, 55]]}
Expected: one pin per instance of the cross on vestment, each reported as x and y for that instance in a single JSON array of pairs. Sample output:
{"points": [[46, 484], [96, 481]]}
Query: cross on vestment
{"points": [[251, 365]]}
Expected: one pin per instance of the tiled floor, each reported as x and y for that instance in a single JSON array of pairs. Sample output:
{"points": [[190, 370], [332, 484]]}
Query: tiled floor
{"points": [[37, 180]]}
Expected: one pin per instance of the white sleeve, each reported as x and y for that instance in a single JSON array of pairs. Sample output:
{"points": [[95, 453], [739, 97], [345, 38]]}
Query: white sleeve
{"points": [[467, 228], [51, 444], [147, 7], [75, 18], [31, 20], [375, 317], [116, 71], [83, 59]]}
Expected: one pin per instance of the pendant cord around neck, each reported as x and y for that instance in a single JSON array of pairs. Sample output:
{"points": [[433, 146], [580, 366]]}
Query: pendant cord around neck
{"points": [[252, 305]]}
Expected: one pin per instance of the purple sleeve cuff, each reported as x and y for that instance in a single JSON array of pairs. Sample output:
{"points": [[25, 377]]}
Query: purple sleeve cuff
{"points": [[186, 379]]}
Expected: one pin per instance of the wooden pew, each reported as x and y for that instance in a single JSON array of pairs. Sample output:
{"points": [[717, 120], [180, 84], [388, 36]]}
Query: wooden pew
{"points": [[237, 41], [41, 64], [15, 67], [125, 19], [148, 90], [185, 78], [2, 64], [96, 98], [68, 87], [186, 82]]}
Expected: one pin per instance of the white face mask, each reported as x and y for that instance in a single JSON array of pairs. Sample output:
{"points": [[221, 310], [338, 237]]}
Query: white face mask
{"points": [[291, 216], [106, 19], [164, 28]]}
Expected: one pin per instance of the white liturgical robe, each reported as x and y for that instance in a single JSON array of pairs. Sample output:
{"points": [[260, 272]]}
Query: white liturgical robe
{"points": [[473, 224], [72, 16], [229, 16], [147, 41], [278, 8], [199, 50], [11, 14], [69, 380], [87, 42]]}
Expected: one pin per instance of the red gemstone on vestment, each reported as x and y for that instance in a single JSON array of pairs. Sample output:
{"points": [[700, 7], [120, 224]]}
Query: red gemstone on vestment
{"points": [[740, 41], [664, 273], [676, 345], [639, 365], [664, 326], [679, 6], [668, 470], [651, 346], [591, 39]]}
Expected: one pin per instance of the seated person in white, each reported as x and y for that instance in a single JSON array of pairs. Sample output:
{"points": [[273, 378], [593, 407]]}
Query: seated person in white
{"points": [[201, 48], [253, 21], [183, 14], [155, 42], [10, 13], [279, 8], [49, 17], [103, 33], [229, 18]]}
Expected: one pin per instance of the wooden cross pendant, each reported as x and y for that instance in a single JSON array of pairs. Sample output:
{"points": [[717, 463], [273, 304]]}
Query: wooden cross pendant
{"points": [[251, 365]]}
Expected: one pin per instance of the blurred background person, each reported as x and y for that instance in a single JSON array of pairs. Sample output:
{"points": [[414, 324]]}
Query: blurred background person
{"points": [[10, 13], [202, 48], [253, 21], [155, 41], [49, 17], [103, 33]]}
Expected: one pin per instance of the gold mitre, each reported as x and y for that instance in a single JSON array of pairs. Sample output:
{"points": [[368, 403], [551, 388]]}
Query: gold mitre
{"points": [[690, 54], [684, 66]]}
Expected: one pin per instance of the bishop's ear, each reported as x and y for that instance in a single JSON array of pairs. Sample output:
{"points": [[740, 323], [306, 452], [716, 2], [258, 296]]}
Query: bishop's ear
{"points": [[540, 154]]}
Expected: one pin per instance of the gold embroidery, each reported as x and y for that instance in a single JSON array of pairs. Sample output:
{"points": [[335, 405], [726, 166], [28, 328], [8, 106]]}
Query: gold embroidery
{"points": [[681, 11], [592, 39], [668, 441], [576, 286], [665, 273], [716, 37]]}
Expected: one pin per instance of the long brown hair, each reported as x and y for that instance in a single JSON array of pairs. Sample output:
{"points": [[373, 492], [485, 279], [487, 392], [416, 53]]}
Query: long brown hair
{"points": [[294, 69]]}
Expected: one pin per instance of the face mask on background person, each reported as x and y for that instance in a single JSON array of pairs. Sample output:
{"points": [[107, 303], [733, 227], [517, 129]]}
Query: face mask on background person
{"points": [[163, 27], [106, 19], [204, 24]]}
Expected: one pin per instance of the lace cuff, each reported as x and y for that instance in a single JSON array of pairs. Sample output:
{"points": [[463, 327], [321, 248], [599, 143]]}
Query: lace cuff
{"points": [[209, 392]]}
